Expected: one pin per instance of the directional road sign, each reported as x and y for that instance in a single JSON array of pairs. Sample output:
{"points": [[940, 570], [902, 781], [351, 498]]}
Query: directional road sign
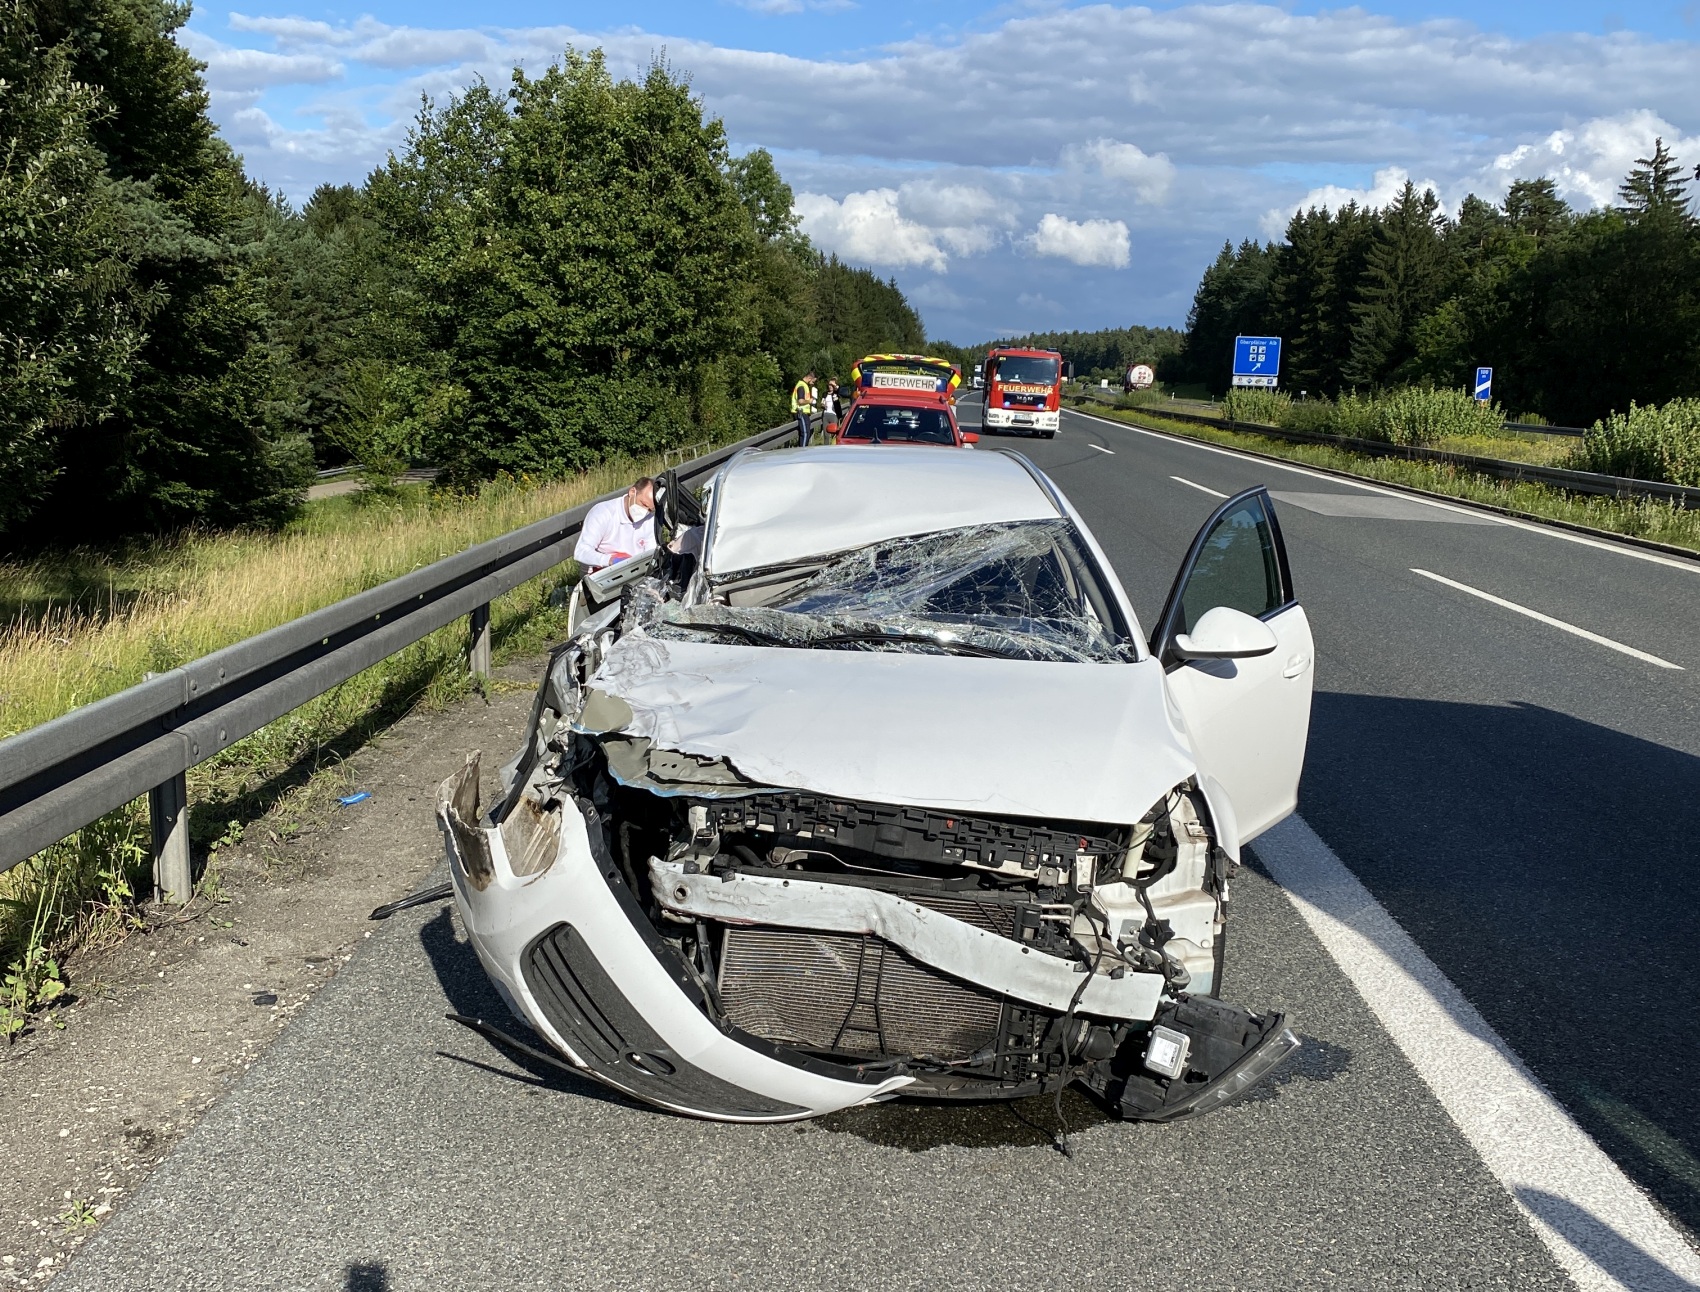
{"points": [[1484, 384], [1257, 360]]}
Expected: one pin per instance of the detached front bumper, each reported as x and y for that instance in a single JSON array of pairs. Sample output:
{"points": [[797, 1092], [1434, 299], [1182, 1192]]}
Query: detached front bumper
{"points": [[561, 938]]}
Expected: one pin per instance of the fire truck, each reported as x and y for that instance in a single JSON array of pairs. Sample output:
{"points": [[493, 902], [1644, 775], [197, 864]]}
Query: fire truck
{"points": [[1023, 391]]}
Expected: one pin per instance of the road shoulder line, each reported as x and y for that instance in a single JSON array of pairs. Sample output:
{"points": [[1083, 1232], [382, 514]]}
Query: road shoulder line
{"points": [[1538, 617], [1622, 544], [1603, 1231]]}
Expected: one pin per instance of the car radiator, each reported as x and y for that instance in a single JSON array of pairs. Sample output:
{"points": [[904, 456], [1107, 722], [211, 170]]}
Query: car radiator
{"points": [[845, 993]]}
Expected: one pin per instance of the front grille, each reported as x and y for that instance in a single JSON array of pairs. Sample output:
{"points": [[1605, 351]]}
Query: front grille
{"points": [[845, 993]]}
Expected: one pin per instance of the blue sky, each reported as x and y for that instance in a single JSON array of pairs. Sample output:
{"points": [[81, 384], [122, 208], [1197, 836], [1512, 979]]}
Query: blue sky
{"points": [[1020, 166]]}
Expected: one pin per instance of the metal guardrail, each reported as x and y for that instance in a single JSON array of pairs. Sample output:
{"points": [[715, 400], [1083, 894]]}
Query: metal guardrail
{"points": [[1111, 396], [1589, 482], [60, 776]]}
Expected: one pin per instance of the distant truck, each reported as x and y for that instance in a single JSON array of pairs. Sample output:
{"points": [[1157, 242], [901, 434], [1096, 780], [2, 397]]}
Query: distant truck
{"points": [[1139, 376], [1023, 391], [979, 375]]}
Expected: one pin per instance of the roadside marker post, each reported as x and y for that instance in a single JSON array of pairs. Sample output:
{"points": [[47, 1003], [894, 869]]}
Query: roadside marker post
{"points": [[1257, 361], [1484, 385], [478, 652], [173, 867]]}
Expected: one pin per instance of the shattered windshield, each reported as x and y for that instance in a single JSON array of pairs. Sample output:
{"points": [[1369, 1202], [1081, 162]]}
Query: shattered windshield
{"points": [[1020, 590]]}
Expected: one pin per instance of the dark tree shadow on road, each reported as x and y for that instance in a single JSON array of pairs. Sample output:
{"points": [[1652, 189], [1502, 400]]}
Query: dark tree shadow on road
{"points": [[467, 990], [1617, 1255], [1551, 868]]}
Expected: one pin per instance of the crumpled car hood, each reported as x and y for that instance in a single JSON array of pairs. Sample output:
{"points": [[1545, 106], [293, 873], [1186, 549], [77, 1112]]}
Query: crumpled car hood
{"points": [[1086, 742]]}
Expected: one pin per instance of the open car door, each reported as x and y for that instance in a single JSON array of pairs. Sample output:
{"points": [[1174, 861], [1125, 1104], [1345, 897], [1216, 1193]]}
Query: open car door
{"points": [[1241, 679]]}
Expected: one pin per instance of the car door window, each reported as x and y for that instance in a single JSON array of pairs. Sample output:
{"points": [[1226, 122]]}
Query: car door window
{"points": [[1237, 561], [1236, 567]]}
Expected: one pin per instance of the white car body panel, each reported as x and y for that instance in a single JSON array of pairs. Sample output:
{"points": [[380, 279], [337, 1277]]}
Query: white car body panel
{"points": [[503, 918], [787, 504], [1248, 721], [1088, 742]]}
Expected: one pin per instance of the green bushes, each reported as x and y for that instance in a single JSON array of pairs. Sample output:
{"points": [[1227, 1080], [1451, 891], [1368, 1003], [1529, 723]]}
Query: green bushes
{"points": [[1649, 443], [1408, 415], [1267, 406]]}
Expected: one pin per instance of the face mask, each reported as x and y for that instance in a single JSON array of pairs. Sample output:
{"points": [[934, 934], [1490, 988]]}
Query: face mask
{"points": [[637, 513]]}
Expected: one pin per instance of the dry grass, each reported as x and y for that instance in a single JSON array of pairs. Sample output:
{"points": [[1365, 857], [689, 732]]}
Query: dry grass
{"points": [[84, 625]]}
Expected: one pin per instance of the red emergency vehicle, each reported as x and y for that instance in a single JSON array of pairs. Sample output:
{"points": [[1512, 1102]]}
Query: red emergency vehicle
{"points": [[1023, 391], [904, 399]]}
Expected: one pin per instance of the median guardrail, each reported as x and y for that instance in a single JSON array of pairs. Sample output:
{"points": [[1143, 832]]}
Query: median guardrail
{"points": [[1589, 482], [1105, 395], [60, 776]]}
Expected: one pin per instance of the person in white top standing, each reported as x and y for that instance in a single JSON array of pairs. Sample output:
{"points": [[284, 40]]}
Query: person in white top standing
{"points": [[618, 528]]}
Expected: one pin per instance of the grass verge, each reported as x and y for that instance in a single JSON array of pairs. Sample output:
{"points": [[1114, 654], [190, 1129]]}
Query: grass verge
{"points": [[87, 624], [1658, 521]]}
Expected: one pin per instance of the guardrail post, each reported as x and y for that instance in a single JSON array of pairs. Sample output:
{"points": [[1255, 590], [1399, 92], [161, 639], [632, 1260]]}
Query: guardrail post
{"points": [[168, 809], [478, 655]]}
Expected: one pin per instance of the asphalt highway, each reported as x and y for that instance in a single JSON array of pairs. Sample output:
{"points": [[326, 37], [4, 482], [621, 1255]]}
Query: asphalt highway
{"points": [[1521, 800]]}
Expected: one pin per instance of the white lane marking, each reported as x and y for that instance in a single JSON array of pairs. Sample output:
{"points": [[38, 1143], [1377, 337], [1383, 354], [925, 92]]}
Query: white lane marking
{"points": [[1603, 1230], [1102, 449], [1549, 531], [1549, 620], [1199, 487]]}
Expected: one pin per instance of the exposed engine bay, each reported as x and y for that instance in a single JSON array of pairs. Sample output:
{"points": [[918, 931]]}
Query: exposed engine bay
{"points": [[791, 950]]}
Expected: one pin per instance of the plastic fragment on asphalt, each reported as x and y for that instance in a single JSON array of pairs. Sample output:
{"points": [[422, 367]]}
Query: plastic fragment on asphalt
{"points": [[351, 799]]}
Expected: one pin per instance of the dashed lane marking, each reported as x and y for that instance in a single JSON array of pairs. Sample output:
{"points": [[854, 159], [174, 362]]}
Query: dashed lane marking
{"points": [[1600, 1228], [1549, 531], [1102, 449], [1549, 620], [1199, 487]]}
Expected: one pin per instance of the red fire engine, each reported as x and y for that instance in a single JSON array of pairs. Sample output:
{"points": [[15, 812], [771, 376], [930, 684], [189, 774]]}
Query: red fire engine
{"points": [[1023, 391]]}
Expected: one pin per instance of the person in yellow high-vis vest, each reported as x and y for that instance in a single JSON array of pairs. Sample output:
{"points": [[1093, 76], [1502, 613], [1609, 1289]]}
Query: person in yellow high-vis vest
{"points": [[803, 399]]}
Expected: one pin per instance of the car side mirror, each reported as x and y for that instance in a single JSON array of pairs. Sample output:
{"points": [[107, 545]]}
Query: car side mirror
{"points": [[1226, 633], [971, 437]]}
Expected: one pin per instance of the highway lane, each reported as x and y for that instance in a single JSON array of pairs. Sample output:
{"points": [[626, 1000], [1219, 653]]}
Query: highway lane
{"points": [[1524, 801], [376, 1146]]}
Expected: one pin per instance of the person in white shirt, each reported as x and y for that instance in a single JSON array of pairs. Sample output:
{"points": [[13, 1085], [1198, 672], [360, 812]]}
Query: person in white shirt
{"points": [[619, 528]]}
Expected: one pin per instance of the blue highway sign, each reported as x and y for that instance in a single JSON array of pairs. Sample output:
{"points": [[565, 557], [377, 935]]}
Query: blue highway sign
{"points": [[1484, 384], [1257, 360]]}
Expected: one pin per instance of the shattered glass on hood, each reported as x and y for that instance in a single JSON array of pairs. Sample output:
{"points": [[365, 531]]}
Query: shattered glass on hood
{"points": [[1016, 590]]}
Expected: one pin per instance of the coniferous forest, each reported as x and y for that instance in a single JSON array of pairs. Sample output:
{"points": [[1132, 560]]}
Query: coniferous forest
{"points": [[1578, 313], [546, 274]]}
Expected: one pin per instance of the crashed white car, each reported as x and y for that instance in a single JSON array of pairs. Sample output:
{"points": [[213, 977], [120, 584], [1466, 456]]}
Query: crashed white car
{"points": [[867, 785]]}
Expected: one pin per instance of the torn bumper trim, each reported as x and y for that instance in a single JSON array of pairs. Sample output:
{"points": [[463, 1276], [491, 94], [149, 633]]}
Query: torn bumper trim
{"points": [[506, 914], [986, 959]]}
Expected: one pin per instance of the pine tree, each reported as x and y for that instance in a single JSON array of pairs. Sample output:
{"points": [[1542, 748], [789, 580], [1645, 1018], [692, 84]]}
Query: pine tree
{"points": [[1404, 276], [1656, 184]]}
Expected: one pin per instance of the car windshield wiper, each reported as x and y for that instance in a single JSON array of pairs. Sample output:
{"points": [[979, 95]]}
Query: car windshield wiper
{"points": [[950, 645]]}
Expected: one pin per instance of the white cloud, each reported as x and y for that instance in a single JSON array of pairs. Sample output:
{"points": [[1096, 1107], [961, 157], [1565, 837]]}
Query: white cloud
{"points": [[229, 68], [922, 154], [1389, 181], [296, 32], [868, 227], [1588, 162], [1084, 242], [1149, 176]]}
